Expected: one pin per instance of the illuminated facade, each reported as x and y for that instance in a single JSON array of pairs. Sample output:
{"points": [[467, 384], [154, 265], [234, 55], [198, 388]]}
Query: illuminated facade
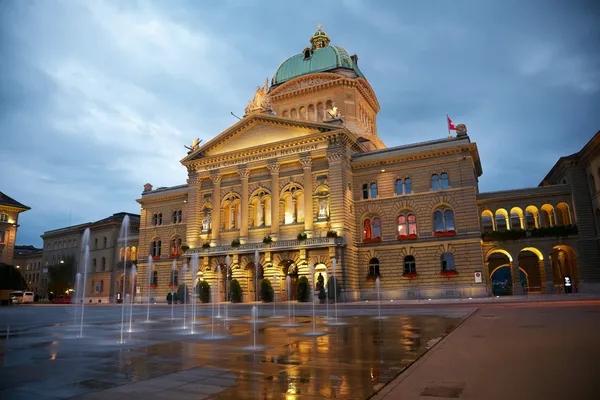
{"points": [[9, 223], [304, 179]]}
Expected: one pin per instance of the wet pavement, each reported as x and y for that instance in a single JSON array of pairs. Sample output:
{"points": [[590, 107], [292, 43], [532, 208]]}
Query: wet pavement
{"points": [[43, 357]]}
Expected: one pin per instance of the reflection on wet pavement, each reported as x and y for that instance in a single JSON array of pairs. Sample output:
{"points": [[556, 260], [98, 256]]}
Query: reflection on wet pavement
{"points": [[349, 361]]}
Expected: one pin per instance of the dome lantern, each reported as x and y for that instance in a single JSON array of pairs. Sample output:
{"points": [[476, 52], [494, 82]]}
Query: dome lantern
{"points": [[319, 39]]}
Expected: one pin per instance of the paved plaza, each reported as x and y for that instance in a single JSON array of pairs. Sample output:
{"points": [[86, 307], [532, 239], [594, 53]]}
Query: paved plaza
{"points": [[489, 349]]}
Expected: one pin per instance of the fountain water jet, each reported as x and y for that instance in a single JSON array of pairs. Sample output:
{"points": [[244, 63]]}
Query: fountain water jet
{"points": [[132, 297], [85, 247], [185, 295], [149, 286], [378, 284], [288, 284], [173, 269], [123, 235], [219, 291], [335, 290], [227, 267], [194, 294], [77, 289], [314, 319], [256, 288]]}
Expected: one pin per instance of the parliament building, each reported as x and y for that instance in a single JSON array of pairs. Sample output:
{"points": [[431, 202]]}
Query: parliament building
{"points": [[304, 178]]}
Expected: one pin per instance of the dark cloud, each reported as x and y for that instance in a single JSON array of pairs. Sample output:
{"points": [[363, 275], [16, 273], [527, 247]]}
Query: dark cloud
{"points": [[98, 98]]}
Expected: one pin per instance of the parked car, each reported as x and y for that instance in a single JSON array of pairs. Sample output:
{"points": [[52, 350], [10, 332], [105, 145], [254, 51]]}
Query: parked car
{"points": [[19, 297], [61, 300]]}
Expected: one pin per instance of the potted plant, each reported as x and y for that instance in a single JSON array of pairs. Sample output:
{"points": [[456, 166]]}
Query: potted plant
{"points": [[407, 237], [410, 275], [183, 294], [235, 243], [446, 233], [185, 247], [169, 298], [303, 289], [204, 291], [267, 240], [372, 277], [206, 245], [235, 291], [332, 234], [448, 273], [302, 236], [156, 257], [266, 291]]}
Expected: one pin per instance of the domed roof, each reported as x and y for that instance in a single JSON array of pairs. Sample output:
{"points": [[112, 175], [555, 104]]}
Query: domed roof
{"points": [[320, 57]]}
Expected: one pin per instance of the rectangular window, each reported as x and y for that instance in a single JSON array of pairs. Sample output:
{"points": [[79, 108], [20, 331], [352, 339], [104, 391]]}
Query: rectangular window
{"points": [[2, 235], [373, 190], [365, 191]]}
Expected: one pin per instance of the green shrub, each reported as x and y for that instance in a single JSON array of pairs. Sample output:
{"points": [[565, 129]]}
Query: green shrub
{"points": [[302, 236], [332, 285], [267, 240], [322, 293], [235, 291], [303, 289], [169, 297], [206, 245], [332, 234], [204, 291], [266, 290], [235, 243]]}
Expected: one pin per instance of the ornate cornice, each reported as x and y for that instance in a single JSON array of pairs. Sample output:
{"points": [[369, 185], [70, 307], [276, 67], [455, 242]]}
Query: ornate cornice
{"points": [[355, 165], [161, 197]]}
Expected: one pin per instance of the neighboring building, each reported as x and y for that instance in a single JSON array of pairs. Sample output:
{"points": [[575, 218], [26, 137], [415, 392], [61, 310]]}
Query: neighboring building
{"points": [[29, 261], [306, 159], [106, 254], [9, 223]]}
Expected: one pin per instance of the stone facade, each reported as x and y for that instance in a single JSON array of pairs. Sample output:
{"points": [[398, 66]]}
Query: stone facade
{"points": [[29, 261], [310, 182], [9, 223]]}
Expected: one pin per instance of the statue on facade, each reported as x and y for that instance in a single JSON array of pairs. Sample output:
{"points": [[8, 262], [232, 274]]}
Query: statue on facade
{"points": [[323, 209], [194, 146], [334, 113], [206, 223], [320, 281], [261, 101]]}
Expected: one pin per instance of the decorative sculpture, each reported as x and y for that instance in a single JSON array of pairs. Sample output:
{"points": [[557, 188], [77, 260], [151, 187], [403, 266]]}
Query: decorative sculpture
{"points": [[261, 101], [461, 129], [334, 113], [194, 146], [147, 187]]}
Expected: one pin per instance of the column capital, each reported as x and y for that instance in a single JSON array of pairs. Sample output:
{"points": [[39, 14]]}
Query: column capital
{"points": [[306, 160], [216, 177], [193, 179], [244, 172], [273, 167]]}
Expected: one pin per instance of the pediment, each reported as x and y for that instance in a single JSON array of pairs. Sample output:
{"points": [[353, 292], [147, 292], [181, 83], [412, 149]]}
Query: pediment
{"points": [[259, 130]]}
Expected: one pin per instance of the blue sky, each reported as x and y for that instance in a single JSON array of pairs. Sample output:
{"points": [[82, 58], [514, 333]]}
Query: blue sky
{"points": [[98, 97]]}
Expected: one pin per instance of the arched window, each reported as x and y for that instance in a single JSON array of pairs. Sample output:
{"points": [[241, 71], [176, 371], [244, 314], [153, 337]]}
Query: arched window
{"points": [[447, 262], [159, 218], [547, 215], [133, 253], [399, 187], [435, 182], [563, 214], [285, 113], [311, 112], [373, 190], [121, 254], [155, 219], [410, 266], [407, 186], [501, 223], [320, 112], [128, 253], [443, 220], [302, 113], [103, 264], [372, 229], [155, 278], [155, 248], [407, 224], [105, 241], [93, 264], [293, 204], [294, 113], [261, 208], [487, 222], [175, 247], [531, 217], [180, 216], [374, 267], [516, 218], [445, 181], [175, 278], [95, 244], [592, 183], [174, 217], [231, 209]]}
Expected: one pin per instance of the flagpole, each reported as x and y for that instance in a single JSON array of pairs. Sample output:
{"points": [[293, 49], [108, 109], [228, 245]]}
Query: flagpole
{"points": [[448, 125]]}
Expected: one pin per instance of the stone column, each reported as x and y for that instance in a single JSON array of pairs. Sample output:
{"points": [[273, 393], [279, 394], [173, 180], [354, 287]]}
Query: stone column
{"points": [[193, 223], [216, 210], [244, 174], [274, 168], [515, 275], [306, 161]]}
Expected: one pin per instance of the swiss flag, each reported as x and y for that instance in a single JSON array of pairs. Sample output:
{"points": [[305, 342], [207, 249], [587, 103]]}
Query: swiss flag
{"points": [[451, 126]]}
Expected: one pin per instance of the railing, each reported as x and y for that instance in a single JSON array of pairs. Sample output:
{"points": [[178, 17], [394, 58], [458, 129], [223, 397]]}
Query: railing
{"points": [[280, 244]]}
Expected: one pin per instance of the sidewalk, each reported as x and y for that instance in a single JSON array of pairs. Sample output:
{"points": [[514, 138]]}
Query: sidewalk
{"points": [[543, 351]]}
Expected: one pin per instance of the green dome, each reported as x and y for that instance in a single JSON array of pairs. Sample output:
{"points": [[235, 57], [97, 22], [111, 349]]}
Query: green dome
{"points": [[320, 58]]}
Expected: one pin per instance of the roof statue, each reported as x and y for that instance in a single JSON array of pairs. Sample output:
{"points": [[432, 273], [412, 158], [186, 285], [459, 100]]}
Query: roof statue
{"points": [[194, 146], [261, 101], [461, 129], [334, 113]]}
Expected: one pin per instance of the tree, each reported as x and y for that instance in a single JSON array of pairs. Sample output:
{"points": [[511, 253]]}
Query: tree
{"points": [[11, 278], [203, 289], [235, 291], [303, 287], [333, 289], [62, 277], [183, 294], [266, 290]]}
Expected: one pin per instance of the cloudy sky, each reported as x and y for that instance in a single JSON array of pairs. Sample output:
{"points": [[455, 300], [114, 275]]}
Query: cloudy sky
{"points": [[98, 97]]}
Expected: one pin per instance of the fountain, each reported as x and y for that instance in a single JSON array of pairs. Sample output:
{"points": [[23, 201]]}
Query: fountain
{"points": [[256, 288], [377, 283], [275, 277], [254, 318], [85, 247], [227, 267], [173, 269], [132, 297], [77, 289], [123, 233], [185, 294], [290, 323], [149, 286], [335, 287], [194, 294], [219, 291]]}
